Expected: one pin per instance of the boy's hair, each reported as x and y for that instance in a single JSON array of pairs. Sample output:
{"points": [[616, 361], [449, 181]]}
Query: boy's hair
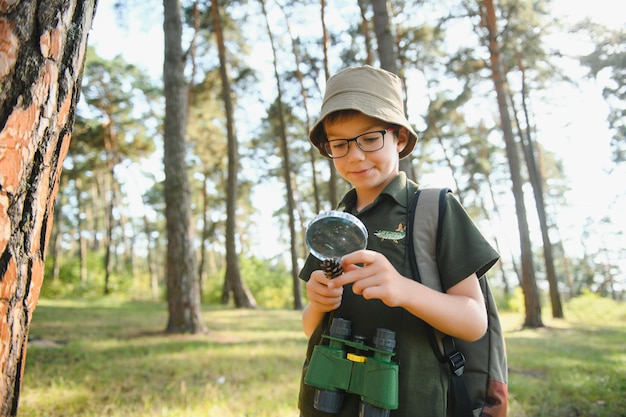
{"points": [[341, 116], [372, 91]]}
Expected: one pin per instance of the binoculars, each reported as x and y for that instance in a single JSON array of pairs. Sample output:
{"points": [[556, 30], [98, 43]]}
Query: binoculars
{"points": [[347, 364]]}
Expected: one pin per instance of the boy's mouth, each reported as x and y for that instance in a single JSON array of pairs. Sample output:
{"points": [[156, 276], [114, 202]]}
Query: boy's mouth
{"points": [[361, 172]]}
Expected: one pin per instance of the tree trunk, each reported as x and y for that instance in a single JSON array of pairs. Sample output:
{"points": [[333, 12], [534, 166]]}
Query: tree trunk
{"points": [[205, 232], [536, 180], [95, 206], [80, 225], [529, 283], [108, 237], [55, 247], [183, 296], [303, 93], [332, 181], [110, 148], [365, 30], [41, 62], [150, 256], [233, 282], [284, 146], [386, 52], [387, 55]]}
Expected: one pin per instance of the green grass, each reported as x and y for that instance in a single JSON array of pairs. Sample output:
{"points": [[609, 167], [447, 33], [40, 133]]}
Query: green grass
{"points": [[112, 359], [568, 368]]}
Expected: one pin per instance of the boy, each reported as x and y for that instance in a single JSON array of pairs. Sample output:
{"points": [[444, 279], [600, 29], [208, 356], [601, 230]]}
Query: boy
{"points": [[363, 129]]}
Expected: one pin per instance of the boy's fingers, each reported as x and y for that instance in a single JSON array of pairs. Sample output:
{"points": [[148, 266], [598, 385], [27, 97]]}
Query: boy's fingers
{"points": [[346, 278]]}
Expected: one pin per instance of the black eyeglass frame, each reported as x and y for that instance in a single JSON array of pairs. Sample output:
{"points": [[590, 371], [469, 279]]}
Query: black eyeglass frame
{"points": [[355, 139]]}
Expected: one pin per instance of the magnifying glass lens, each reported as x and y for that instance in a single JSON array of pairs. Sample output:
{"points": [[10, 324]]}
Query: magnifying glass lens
{"points": [[333, 234]]}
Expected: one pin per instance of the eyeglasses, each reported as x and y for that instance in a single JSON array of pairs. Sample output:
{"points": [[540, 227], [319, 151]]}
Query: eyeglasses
{"points": [[367, 142]]}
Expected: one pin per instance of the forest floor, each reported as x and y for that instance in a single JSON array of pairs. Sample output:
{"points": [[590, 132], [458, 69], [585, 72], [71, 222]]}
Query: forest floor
{"points": [[103, 357]]}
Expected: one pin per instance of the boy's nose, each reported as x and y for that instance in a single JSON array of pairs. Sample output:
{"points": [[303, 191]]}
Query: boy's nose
{"points": [[354, 151]]}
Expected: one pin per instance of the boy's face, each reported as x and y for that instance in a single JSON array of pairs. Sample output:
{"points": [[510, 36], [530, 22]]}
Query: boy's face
{"points": [[368, 172]]}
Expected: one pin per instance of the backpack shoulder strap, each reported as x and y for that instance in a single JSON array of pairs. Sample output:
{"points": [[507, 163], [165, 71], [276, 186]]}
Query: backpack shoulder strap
{"points": [[425, 218], [430, 204]]}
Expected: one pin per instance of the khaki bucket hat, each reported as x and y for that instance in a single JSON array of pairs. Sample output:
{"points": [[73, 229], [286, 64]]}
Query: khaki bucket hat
{"points": [[372, 91]]}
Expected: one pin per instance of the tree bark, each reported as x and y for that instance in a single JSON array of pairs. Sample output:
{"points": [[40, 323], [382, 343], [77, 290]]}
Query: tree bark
{"points": [[42, 55], [333, 196], [233, 282], [205, 231], [365, 31], [80, 226], [387, 55], [183, 294], [303, 94], [384, 37], [536, 179], [529, 283], [284, 147]]}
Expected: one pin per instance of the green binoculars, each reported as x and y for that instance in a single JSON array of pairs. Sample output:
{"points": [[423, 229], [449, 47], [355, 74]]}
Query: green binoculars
{"points": [[347, 364]]}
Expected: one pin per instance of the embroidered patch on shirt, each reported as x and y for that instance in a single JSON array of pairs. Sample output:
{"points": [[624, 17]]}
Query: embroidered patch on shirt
{"points": [[396, 235]]}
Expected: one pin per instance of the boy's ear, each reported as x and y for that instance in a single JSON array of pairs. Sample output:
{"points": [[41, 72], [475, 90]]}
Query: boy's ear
{"points": [[403, 139]]}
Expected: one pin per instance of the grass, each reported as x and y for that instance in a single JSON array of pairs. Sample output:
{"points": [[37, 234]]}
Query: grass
{"points": [[568, 369], [110, 358]]}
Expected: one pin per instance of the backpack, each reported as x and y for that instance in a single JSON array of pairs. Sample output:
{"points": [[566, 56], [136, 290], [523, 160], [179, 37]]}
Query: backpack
{"points": [[478, 369]]}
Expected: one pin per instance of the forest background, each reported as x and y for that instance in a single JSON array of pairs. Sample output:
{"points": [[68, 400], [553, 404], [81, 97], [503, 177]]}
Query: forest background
{"points": [[109, 229], [177, 184]]}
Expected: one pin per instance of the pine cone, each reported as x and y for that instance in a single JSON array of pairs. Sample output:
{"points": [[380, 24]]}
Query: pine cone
{"points": [[332, 268]]}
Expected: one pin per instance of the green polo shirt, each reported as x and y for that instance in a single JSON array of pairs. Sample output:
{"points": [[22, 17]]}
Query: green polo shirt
{"points": [[423, 380]]}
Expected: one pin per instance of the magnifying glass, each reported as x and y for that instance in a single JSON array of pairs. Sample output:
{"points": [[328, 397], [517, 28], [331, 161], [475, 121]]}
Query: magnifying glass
{"points": [[333, 234]]}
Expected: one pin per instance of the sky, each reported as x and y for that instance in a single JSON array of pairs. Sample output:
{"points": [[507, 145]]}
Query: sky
{"points": [[573, 124]]}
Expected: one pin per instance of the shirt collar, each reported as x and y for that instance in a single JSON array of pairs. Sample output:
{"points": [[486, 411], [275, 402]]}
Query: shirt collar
{"points": [[400, 189]]}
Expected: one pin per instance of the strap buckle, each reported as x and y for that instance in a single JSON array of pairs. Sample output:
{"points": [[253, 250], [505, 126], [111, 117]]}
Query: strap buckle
{"points": [[457, 363]]}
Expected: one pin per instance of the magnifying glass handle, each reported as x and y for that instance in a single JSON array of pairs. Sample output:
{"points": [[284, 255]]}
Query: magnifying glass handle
{"points": [[332, 268]]}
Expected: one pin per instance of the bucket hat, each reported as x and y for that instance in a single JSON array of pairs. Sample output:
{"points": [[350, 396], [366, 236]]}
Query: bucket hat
{"points": [[372, 91]]}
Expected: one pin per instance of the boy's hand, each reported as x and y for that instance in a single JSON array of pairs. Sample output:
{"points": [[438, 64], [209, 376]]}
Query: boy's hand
{"points": [[322, 297], [376, 278]]}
